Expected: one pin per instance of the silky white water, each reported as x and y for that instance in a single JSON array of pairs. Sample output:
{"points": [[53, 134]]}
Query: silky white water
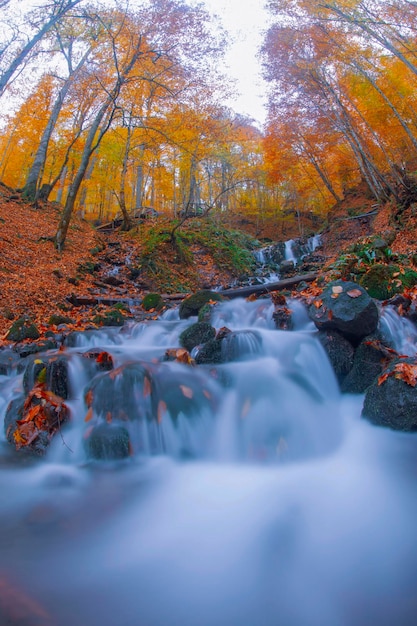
{"points": [[288, 508]]}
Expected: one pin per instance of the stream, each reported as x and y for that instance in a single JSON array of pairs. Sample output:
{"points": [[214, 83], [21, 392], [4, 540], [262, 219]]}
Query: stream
{"points": [[269, 502]]}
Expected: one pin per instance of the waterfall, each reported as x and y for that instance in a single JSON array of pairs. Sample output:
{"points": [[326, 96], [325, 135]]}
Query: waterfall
{"points": [[289, 254], [258, 497]]}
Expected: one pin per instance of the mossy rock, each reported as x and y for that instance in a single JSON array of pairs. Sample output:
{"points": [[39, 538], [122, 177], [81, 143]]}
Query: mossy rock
{"points": [[21, 329], [191, 306], [152, 301], [114, 317], [384, 281], [196, 334], [56, 319]]}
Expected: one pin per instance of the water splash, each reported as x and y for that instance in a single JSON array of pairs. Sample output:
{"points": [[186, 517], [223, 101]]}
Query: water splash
{"points": [[293, 510]]}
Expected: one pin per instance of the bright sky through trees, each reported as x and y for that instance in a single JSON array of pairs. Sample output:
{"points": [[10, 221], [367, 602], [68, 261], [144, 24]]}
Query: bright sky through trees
{"points": [[244, 21]]}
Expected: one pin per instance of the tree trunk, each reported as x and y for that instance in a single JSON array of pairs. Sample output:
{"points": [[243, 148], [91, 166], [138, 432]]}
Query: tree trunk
{"points": [[34, 176]]}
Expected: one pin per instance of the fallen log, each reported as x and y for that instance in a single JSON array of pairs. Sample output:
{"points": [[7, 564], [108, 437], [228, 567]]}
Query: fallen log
{"points": [[241, 292], [108, 300], [244, 292]]}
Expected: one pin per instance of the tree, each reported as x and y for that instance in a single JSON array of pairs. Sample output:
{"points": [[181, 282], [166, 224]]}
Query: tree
{"points": [[41, 21]]}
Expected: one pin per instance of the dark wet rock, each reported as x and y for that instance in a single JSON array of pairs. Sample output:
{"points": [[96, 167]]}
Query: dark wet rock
{"points": [[108, 442], [22, 329], [8, 361], [282, 317], [144, 392], [35, 372], [191, 306], [286, 267], [346, 307], [31, 423], [26, 349], [57, 376], [370, 359], [49, 370], [101, 359], [241, 344], [124, 393], [393, 403], [196, 334], [339, 350], [276, 253], [210, 353]]}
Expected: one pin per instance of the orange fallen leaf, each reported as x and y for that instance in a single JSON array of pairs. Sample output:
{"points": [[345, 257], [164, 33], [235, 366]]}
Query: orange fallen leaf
{"points": [[147, 387], [354, 293], [89, 414], [187, 392], [162, 407]]}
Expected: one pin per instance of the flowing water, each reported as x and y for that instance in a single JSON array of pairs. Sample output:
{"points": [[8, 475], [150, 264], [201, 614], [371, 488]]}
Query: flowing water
{"points": [[273, 503]]}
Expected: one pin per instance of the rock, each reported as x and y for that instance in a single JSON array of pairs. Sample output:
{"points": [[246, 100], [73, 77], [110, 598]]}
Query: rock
{"points": [[210, 353], [108, 442], [22, 329], [31, 423], [340, 352], [191, 306], [26, 349], [383, 281], [369, 361], [286, 267], [346, 307], [241, 344], [152, 301], [282, 317], [196, 334], [56, 319], [8, 361], [113, 317], [393, 403], [57, 377]]}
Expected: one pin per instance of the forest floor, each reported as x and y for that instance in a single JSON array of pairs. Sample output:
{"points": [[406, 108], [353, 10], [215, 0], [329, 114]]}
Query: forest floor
{"points": [[36, 280]]}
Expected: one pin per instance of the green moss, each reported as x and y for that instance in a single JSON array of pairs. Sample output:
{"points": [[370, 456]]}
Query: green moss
{"points": [[152, 301], [191, 306], [113, 317], [196, 334], [21, 329], [384, 281], [56, 319]]}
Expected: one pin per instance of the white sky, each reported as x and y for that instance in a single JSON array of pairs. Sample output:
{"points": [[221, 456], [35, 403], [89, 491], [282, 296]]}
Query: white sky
{"points": [[244, 20]]}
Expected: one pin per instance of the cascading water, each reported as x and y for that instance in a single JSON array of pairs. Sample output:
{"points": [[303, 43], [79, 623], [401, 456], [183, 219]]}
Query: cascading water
{"points": [[292, 250], [264, 500]]}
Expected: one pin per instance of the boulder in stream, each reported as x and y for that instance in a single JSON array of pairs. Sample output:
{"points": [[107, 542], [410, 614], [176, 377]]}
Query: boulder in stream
{"points": [[340, 352], [191, 306], [391, 400], [346, 307], [196, 334]]}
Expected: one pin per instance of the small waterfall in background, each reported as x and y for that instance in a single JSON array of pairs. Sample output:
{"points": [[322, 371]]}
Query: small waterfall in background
{"points": [[272, 258], [258, 496]]}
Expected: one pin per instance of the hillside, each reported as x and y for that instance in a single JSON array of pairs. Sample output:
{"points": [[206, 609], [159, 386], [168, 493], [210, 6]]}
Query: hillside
{"points": [[36, 280]]}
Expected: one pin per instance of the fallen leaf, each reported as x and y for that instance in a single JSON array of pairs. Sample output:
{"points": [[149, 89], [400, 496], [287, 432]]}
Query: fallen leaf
{"points": [[162, 407], [187, 392], [147, 387], [354, 293], [89, 414], [337, 289]]}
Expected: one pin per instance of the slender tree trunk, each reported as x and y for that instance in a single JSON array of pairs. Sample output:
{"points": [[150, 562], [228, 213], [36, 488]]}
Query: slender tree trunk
{"points": [[106, 110], [35, 173], [62, 8]]}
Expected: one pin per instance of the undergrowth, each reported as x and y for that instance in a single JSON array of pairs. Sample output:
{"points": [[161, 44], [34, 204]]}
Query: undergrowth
{"points": [[167, 258]]}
